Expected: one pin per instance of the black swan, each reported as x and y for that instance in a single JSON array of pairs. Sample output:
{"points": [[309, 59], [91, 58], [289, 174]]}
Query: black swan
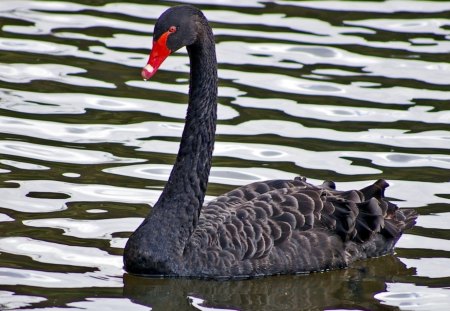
{"points": [[265, 228]]}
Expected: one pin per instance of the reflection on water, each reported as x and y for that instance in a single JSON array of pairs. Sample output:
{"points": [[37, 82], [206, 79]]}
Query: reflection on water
{"points": [[348, 91], [413, 297], [318, 291]]}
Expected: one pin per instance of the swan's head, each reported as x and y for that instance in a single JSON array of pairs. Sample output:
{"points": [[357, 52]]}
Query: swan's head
{"points": [[177, 27]]}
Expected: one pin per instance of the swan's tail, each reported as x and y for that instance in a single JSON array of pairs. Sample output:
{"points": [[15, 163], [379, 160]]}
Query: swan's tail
{"points": [[404, 219], [400, 219], [394, 221]]}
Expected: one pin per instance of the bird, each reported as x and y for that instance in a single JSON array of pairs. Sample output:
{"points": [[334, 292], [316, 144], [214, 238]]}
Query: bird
{"points": [[265, 228]]}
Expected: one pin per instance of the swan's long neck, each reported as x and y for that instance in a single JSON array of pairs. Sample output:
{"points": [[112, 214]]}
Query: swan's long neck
{"points": [[176, 213]]}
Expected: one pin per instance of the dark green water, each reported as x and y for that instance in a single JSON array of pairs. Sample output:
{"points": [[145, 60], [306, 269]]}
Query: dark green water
{"points": [[347, 91]]}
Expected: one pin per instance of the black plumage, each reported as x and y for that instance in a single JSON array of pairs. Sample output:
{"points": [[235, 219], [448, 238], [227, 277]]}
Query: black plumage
{"points": [[265, 228]]}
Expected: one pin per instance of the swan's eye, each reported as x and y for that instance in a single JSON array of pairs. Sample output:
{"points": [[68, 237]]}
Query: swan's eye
{"points": [[172, 29]]}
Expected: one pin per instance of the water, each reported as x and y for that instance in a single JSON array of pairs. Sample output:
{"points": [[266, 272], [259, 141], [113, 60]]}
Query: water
{"points": [[348, 91]]}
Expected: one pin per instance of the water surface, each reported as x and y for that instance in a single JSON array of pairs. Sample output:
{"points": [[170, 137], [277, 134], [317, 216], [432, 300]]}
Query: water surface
{"points": [[347, 91]]}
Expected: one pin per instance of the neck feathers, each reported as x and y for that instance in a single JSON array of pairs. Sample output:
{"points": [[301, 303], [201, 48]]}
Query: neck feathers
{"points": [[180, 203]]}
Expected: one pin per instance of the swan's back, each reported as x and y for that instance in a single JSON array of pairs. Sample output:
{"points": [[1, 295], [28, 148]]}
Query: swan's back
{"points": [[291, 226]]}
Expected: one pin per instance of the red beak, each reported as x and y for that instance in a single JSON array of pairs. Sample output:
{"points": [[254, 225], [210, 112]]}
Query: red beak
{"points": [[158, 54]]}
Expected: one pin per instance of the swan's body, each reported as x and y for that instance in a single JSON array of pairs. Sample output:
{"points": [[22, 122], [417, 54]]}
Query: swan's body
{"points": [[265, 228]]}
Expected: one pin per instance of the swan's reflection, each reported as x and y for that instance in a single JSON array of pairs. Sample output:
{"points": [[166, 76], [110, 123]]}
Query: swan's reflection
{"points": [[341, 289]]}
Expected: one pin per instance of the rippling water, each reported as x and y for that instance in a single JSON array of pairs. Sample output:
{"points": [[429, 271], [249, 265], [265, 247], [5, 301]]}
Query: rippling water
{"points": [[348, 91]]}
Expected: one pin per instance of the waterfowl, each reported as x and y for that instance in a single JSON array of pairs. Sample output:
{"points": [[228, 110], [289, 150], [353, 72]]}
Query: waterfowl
{"points": [[264, 228]]}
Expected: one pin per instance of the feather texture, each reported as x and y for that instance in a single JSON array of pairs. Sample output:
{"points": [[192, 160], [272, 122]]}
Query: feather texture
{"points": [[291, 226], [265, 228]]}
